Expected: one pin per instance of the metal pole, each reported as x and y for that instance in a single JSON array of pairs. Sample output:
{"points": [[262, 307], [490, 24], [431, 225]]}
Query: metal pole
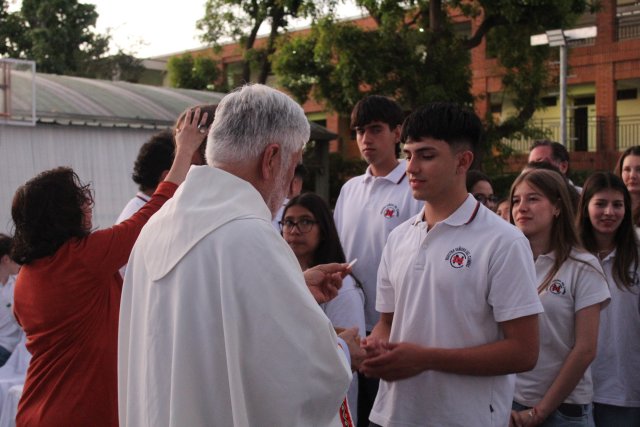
{"points": [[563, 95]]}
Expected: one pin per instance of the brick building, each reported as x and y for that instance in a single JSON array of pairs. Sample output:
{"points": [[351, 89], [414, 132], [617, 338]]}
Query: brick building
{"points": [[602, 89]]}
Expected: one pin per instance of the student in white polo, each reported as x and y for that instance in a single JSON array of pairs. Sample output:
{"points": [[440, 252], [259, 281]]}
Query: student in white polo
{"points": [[456, 292], [573, 289], [371, 205]]}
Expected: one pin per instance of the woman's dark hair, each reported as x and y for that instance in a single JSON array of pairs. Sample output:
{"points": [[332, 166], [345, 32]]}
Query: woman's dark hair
{"points": [[329, 249], [47, 212], [625, 239], [155, 156], [5, 245], [474, 176]]}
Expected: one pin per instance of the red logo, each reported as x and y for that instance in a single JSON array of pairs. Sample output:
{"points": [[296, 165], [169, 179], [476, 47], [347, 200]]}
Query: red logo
{"points": [[390, 211], [557, 287], [459, 257]]}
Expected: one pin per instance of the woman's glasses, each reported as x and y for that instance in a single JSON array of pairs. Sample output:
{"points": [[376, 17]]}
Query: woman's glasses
{"points": [[304, 225], [486, 199]]}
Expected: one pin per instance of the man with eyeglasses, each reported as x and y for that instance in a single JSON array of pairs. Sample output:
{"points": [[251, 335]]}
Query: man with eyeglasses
{"points": [[371, 205]]}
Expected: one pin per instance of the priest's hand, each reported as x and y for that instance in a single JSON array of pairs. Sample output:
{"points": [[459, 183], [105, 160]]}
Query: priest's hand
{"points": [[325, 280], [352, 338]]}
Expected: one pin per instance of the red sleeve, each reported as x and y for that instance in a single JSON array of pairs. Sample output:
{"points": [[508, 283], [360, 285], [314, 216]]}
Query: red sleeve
{"points": [[105, 251]]}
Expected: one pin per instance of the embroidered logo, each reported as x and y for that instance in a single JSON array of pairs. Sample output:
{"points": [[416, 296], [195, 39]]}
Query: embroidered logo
{"points": [[390, 211], [459, 257], [557, 287]]}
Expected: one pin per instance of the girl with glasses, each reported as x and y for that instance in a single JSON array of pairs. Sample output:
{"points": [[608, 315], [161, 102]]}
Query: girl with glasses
{"points": [[605, 222], [479, 185], [307, 226]]}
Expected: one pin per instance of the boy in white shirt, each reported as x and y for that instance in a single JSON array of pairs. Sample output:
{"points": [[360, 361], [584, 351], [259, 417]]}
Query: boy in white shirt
{"points": [[456, 291], [371, 205]]}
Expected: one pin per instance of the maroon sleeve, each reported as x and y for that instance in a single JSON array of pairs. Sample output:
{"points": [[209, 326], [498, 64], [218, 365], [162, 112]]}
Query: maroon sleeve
{"points": [[105, 251]]}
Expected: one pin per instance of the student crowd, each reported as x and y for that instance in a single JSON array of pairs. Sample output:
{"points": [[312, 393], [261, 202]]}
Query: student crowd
{"points": [[457, 308]]}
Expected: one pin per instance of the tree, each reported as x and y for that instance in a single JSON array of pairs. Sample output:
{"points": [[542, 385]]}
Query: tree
{"points": [[59, 36], [120, 66], [415, 54], [240, 21], [11, 32], [192, 73]]}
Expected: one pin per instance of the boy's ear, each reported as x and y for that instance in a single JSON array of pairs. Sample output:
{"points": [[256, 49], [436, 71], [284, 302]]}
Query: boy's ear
{"points": [[465, 160], [397, 132]]}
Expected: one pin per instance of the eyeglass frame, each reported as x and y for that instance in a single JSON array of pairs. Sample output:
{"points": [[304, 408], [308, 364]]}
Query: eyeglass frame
{"points": [[484, 199], [296, 224]]}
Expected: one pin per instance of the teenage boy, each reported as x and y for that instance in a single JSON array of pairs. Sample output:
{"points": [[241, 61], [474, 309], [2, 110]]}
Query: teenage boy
{"points": [[456, 291], [371, 205]]}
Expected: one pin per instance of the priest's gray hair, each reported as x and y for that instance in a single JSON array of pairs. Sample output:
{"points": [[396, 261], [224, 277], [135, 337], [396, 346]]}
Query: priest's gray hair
{"points": [[252, 117]]}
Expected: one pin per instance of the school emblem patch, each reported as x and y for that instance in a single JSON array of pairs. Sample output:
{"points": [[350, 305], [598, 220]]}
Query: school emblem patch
{"points": [[390, 211], [557, 287], [459, 257]]}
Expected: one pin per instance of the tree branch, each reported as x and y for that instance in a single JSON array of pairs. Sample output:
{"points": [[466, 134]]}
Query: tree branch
{"points": [[487, 24]]}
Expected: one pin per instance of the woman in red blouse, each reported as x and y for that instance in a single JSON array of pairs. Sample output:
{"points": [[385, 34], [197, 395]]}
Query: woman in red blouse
{"points": [[67, 295]]}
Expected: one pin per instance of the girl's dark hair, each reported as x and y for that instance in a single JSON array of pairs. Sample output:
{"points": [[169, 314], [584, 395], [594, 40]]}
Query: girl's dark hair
{"points": [[474, 176], [5, 245], [47, 212], [329, 249], [631, 151], [626, 260], [564, 236]]}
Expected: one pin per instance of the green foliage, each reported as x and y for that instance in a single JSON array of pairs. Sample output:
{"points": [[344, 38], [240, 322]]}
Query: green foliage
{"points": [[121, 66], [59, 35], [338, 63], [188, 72], [415, 55], [240, 21], [12, 36]]}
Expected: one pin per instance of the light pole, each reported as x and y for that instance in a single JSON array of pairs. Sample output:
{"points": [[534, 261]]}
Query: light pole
{"points": [[556, 39], [559, 38]]}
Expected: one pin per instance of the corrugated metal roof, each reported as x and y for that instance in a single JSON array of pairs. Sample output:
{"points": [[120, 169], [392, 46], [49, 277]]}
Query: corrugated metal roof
{"points": [[80, 101]]}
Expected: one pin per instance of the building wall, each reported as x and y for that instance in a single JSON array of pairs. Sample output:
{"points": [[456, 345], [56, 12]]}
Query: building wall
{"points": [[596, 70], [599, 70], [103, 157]]}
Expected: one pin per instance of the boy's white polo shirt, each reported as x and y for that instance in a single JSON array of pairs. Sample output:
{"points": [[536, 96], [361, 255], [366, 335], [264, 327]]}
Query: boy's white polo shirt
{"points": [[616, 373], [578, 284], [366, 211], [450, 288]]}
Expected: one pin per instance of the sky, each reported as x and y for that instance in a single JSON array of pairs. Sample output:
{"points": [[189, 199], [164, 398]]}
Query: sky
{"points": [[148, 28]]}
